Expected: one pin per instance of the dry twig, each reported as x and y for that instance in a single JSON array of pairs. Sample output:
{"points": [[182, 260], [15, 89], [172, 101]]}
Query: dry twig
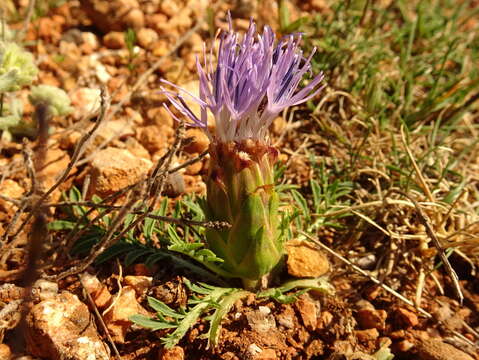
{"points": [[100, 319], [364, 273]]}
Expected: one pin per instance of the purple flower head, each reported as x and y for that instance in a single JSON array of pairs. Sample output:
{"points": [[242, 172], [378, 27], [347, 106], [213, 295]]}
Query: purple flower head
{"points": [[256, 77]]}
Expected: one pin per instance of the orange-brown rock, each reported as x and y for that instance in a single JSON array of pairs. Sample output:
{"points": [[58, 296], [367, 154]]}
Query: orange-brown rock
{"points": [[153, 138], [304, 260], [99, 292], [114, 40], [11, 189], [54, 164], [5, 352], [308, 311], [146, 37], [140, 284], [175, 353], [434, 349], [61, 328], [371, 318], [117, 319], [113, 169], [199, 141]]}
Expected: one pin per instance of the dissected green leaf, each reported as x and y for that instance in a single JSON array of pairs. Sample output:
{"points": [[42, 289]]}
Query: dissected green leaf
{"points": [[149, 323]]}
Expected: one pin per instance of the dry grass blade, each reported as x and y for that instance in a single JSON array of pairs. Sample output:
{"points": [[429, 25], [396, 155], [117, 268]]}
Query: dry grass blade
{"points": [[364, 273], [430, 232]]}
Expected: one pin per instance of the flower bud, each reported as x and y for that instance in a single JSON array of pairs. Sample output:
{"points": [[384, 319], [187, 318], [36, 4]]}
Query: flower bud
{"points": [[240, 190]]}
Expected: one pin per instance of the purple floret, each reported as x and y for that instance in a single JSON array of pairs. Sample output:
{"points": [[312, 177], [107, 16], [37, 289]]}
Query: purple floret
{"points": [[255, 78]]}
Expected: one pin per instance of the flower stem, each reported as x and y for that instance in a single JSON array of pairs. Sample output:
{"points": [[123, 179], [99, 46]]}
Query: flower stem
{"points": [[251, 285]]}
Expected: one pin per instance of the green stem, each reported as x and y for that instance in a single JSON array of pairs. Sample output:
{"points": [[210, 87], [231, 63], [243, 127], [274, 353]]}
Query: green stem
{"points": [[251, 285]]}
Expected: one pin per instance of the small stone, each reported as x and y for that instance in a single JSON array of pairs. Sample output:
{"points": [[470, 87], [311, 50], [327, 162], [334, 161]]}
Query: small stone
{"points": [[134, 116], [61, 328], [314, 349], [11, 189], [133, 146], [307, 310], [118, 88], [101, 72], [153, 138], [117, 319], [406, 317], [102, 298], [182, 20], [50, 28], [286, 317], [90, 42], [160, 116], [279, 125], [169, 7], [373, 292], [161, 48], [194, 184], [254, 349], [260, 322], [86, 102], [55, 163], [117, 15], [304, 260], [146, 37], [114, 40], [371, 318], [44, 290], [266, 354], [114, 169], [368, 335], [264, 310], [195, 43], [99, 293], [134, 19], [156, 21], [71, 56], [115, 129], [433, 349], [5, 352], [404, 345], [199, 142], [140, 284], [324, 320], [175, 185], [194, 168], [175, 353], [69, 140], [367, 262]]}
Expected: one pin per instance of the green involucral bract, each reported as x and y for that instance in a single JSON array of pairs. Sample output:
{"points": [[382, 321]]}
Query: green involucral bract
{"points": [[240, 190], [16, 67], [56, 98]]}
